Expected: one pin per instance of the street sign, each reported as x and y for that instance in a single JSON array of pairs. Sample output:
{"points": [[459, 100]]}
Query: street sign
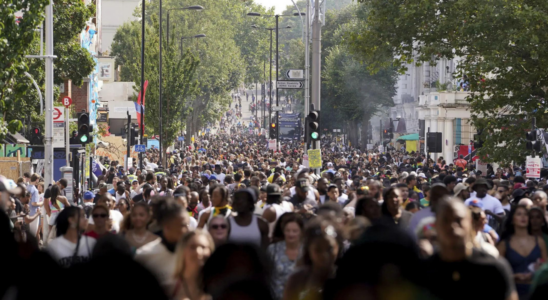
{"points": [[314, 158], [67, 101], [294, 74], [181, 139], [140, 148], [533, 166], [272, 145], [277, 108], [469, 149], [289, 84], [58, 114]]}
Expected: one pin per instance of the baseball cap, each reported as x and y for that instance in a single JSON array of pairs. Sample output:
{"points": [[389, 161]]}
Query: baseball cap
{"points": [[329, 164], [8, 185], [476, 203], [273, 190], [88, 195], [303, 184], [213, 177]]}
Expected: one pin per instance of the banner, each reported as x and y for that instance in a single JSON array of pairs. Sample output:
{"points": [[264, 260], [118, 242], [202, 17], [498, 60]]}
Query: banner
{"points": [[315, 158]]}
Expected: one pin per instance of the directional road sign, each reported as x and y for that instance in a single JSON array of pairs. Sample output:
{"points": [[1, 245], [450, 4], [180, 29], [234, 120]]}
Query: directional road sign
{"points": [[277, 108], [181, 139], [294, 74], [140, 148], [289, 84]]}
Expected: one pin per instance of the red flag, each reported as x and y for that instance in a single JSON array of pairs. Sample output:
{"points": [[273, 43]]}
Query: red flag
{"points": [[138, 107]]}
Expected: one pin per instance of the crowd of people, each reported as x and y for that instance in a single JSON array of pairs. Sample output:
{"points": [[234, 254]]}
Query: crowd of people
{"points": [[229, 219]]}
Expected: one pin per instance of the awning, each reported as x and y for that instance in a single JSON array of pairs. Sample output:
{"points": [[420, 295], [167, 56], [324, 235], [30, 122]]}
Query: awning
{"points": [[17, 138], [409, 137]]}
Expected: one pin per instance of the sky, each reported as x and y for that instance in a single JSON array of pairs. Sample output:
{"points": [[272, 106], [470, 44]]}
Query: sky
{"points": [[279, 4]]}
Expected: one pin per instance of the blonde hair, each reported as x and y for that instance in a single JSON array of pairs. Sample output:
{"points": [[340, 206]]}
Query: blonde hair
{"points": [[183, 243]]}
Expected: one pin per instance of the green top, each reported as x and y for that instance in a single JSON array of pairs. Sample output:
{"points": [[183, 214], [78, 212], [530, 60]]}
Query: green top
{"points": [[424, 202]]}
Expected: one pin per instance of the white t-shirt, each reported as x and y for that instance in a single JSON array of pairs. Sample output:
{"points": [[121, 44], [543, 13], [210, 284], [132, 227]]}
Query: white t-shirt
{"points": [[489, 203], [115, 216], [62, 250], [220, 177], [193, 224]]}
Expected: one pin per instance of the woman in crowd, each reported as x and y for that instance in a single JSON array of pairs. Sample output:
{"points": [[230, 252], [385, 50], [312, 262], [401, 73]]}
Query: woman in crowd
{"points": [[123, 206], [484, 240], [100, 215], [322, 246], [220, 206], [193, 250], [71, 247], [391, 208], [538, 224], [218, 228], [56, 204], [135, 225], [521, 249], [284, 254]]}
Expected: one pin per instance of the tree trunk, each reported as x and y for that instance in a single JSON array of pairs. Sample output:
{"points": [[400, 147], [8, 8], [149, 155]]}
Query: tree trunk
{"points": [[363, 133]]}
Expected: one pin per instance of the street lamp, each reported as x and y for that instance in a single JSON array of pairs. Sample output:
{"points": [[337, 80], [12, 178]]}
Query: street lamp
{"points": [[198, 36], [271, 29], [255, 14], [193, 7]]}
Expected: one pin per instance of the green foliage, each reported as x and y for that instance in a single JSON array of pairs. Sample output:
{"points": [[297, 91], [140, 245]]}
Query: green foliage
{"points": [[178, 72], [501, 49], [14, 40], [19, 101]]}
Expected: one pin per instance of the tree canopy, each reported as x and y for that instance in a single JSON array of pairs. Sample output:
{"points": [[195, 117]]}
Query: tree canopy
{"points": [[500, 48]]}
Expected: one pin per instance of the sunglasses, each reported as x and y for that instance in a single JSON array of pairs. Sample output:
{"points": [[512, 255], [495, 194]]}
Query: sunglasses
{"points": [[222, 226], [100, 215]]}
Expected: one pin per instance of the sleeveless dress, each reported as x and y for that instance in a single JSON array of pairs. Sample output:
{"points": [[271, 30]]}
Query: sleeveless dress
{"points": [[520, 264]]}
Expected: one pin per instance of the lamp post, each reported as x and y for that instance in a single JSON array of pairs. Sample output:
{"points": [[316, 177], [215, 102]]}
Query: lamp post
{"points": [[198, 36], [271, 29], [254, 14], [194, 7]]}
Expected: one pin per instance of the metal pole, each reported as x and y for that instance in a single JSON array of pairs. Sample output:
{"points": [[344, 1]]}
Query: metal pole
{"points": [[128, 139], [160, 92], [316, 62], [427, 148], [256, 99], [264, 92], [37, 90], [270, 85], [48, 151], [277, 94], [381, 142], [307, 68], [67, 134], [142, 80]]}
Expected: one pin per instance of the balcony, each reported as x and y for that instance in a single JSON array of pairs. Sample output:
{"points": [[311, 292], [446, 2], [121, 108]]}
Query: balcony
{"points": [[447, 99]]}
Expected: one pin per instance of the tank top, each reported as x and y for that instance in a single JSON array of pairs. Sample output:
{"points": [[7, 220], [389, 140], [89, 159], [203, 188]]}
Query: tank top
{"points": [[59, 203], [280, 210], [245, 234], [520, 264]]}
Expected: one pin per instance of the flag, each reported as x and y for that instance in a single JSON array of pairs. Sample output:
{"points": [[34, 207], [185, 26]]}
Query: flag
{"points": [[140, 109]]}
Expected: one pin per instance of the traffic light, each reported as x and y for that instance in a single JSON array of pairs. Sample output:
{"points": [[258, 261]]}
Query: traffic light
{"points": [[134, 140], [313, 123], [273, 130], [36, 136], [478, 142], [532, 143], [84, 129]]}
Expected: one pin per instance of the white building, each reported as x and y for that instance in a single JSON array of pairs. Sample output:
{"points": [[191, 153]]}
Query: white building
{"points": [[112, 14]]}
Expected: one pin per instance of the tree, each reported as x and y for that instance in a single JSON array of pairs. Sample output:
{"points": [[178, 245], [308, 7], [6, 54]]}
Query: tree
{"points": [[178, 73], [72, 62], [500, 45], [15, 36]]}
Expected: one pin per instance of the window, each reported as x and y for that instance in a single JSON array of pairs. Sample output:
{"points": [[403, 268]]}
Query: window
{"points": [[427, 73]]}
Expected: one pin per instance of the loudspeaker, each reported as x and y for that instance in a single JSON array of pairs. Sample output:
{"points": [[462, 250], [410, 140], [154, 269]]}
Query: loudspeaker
{"points": [[434, 142]]}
